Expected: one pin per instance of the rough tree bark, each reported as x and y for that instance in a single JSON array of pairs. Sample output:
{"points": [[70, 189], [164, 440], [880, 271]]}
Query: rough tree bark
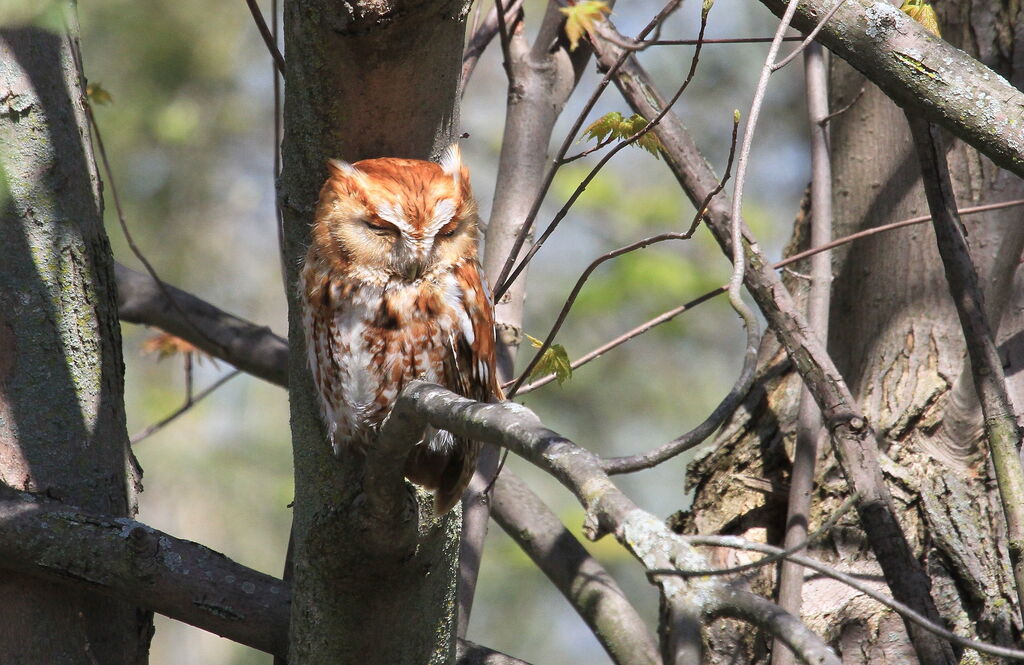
{"points": [[895, 336], [62, 420], [364, 79]]}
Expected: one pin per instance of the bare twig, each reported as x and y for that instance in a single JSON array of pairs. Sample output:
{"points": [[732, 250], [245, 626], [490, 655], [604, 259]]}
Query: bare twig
{"points": [[502, 282], [668, 315], [805, 452], [268, 37], [567, 306], [781, 555], [726, 40], [251, 348], [582, 186], [190, 402], [1001, 429], [697, 435], [505, 50], [810, 37], [835, 114]]}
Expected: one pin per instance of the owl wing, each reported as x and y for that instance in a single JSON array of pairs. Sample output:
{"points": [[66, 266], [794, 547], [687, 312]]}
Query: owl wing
{"points": [[468, 369]]}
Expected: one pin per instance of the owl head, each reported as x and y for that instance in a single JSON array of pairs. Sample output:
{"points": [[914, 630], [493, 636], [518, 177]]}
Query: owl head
{"points": [[397, 219]]}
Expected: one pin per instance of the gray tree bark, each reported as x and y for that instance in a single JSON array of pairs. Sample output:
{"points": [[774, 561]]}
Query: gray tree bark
{"points": [[62, 421], [895, 336], [365, 79]]}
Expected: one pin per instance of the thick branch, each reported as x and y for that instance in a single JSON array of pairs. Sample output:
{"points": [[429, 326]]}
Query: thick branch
{"points": [[852, 437], [120, 557], [251, 348], [922, 73]]}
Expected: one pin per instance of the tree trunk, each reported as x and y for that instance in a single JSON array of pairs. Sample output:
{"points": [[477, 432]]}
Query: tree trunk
{"points": [[896, 337], [62, 421], [367, 79]]}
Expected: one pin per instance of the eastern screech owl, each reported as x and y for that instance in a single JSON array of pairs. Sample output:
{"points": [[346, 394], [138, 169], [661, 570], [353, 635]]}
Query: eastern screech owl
{"points": [[392, 291]]}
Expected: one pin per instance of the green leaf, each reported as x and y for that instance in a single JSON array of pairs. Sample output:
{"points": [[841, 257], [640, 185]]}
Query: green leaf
{"points": [[580, 17], [97, 94], [923, 13], [554, 361], [615, 126]]}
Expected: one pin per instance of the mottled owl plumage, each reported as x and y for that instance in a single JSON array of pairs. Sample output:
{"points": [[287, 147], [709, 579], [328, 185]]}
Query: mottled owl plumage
{"points": [[392, 291]]}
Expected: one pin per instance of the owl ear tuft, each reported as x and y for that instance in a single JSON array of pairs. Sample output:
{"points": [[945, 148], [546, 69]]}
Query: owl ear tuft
{"points": [[345, 175], [451, 161], [451, 164], [342, 168]]}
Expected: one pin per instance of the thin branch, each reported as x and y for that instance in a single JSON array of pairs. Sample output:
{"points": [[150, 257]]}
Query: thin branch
{"points": [[805, 452], [697, 435], [851, 581], [582, 186], [567, 306], [1001, 429], [482, 37], [781, 555], [810, 37], [502, 282], [268, 37], [97, 136], [726, 40], [835, 114], [190, 402], [506, 53]]}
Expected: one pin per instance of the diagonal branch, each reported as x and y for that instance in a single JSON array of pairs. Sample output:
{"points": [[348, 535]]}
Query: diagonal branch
{"points": [[854, 440], [1001, 429], [584, 582]]}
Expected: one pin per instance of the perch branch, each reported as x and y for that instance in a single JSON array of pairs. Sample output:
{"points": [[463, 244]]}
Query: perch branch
{"points": [[608, 510]]}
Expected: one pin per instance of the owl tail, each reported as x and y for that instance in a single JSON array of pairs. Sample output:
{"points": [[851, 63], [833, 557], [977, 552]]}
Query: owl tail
{"points": [[446, 472]]}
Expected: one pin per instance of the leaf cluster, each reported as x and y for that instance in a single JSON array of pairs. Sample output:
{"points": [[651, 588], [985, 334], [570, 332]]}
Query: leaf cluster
{"points": [[615, 126]]}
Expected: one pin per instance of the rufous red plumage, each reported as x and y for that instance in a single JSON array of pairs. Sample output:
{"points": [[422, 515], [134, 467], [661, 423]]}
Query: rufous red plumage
{"points": [[392, 291]]}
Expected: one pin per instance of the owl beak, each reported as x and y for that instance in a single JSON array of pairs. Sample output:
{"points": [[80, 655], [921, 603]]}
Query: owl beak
{"points": [[413, 270]]}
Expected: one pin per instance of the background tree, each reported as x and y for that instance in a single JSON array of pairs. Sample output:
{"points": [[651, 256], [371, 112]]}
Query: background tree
{"points": [[387, 63]]}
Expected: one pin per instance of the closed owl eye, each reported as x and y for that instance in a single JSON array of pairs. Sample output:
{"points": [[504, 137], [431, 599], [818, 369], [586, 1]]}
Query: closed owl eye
{"points": [[380, 227], [448, 230]]}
